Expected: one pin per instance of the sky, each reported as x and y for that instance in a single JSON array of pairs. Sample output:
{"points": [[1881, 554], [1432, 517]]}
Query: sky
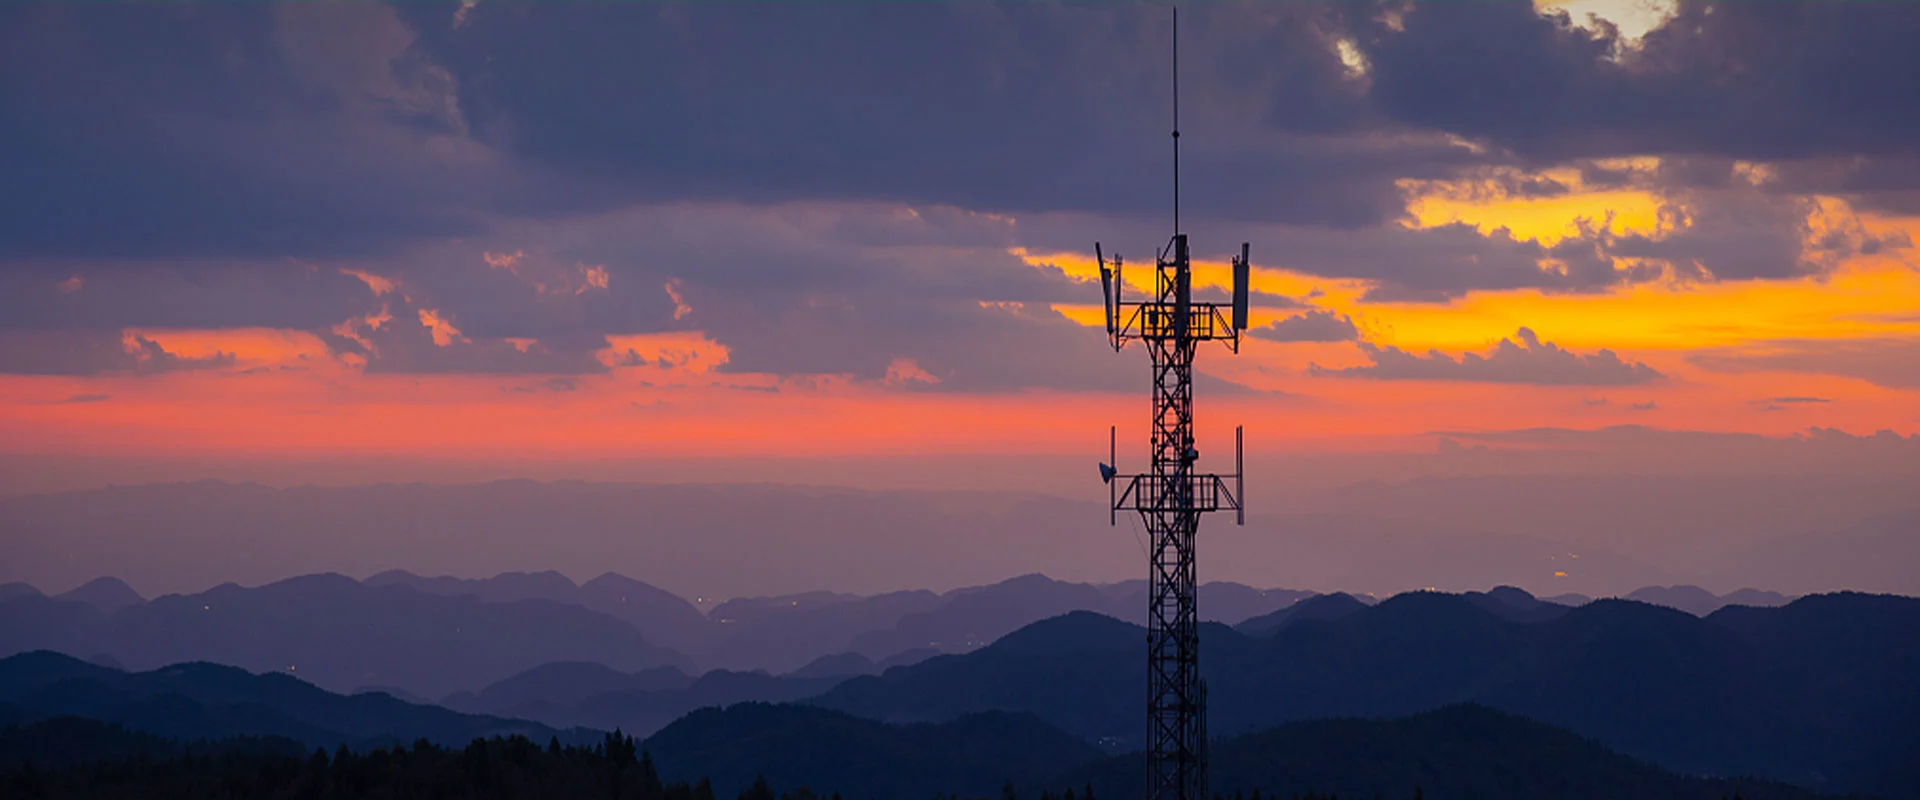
{"points": [[359, 242]]}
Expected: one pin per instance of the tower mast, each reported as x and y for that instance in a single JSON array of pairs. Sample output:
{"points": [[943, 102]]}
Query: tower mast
{"points": [[1172, 496]]}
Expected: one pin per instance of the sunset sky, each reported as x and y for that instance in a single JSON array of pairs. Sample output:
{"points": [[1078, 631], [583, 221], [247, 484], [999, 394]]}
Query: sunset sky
{"points": [[556, 235]]}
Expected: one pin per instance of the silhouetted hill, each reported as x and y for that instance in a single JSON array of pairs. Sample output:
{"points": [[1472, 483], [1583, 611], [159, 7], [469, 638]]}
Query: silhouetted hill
{"points": [[1081, 671], [973, 617], [1819, 692], [568, 683], [1321, 607], [1513, 603], [844, 665], [1460, 752], [1700, 602], [1220, 601], [784, 633], [905, 657], [336, 632], [566, 695], [779, 634], [644, 712], [859, 758], [193, 701], [9, 591], [667, 617], [105, 594], [661, 616]]}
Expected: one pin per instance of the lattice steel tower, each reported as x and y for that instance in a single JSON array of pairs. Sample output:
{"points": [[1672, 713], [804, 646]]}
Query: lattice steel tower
{"points": [[1172, 496]]}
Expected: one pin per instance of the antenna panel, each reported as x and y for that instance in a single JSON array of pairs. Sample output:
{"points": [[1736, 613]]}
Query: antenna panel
{"points": [[1241, 274], [1106, 285]]}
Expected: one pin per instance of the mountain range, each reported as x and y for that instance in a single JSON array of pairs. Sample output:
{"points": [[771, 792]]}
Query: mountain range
{"points": [[430, 637], [1597, 535], [823, 632], [1819, 692], [336, 632]]}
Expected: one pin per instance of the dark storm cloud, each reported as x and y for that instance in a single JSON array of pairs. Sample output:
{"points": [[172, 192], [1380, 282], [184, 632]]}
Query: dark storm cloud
{"points": [[316, 131], [147, 131], [94, 353], [274, 293], [1758, 81], [1011, 107], [1823, 90], [1313, 326], [1527, 361]]}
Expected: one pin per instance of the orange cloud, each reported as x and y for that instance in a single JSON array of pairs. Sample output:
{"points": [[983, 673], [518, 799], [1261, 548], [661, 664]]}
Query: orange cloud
{"points": [[444, 333], [379, 285]]}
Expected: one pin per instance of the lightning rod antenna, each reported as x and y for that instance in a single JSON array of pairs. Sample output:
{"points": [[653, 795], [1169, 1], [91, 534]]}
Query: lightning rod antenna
{"points": [[1176, 119]]}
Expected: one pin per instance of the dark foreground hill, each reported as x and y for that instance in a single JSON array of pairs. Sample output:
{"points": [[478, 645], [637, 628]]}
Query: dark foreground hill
{"points": [[63, 742], [208, 701], [1456, 753], [1819, 693], [739, 747], [859, 758], [513, 768]]}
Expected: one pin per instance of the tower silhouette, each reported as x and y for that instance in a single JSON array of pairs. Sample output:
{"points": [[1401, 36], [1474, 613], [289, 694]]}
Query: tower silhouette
{"points": [[1171, 497]]}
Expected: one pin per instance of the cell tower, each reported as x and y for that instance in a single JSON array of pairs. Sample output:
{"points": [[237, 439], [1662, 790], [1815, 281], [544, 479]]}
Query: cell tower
{"points": [[1171, 498]]}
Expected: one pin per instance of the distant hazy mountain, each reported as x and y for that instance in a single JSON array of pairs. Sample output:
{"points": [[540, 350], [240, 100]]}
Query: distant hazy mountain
{"points": [[1786, 534], [1514, 604], [208, 701], [337, 633], [783, 633], [1456, 753], [1700, 602], [843, 665], [972, 617], [1568, 599], [1819, 692], [858, 758], [663, 617], [1220, 601], [788, 632], [105, 594]]}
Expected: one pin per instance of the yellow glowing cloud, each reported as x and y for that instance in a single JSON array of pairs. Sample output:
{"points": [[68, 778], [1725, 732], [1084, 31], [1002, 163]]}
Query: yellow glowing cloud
{"points": [[1546, 219]]}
